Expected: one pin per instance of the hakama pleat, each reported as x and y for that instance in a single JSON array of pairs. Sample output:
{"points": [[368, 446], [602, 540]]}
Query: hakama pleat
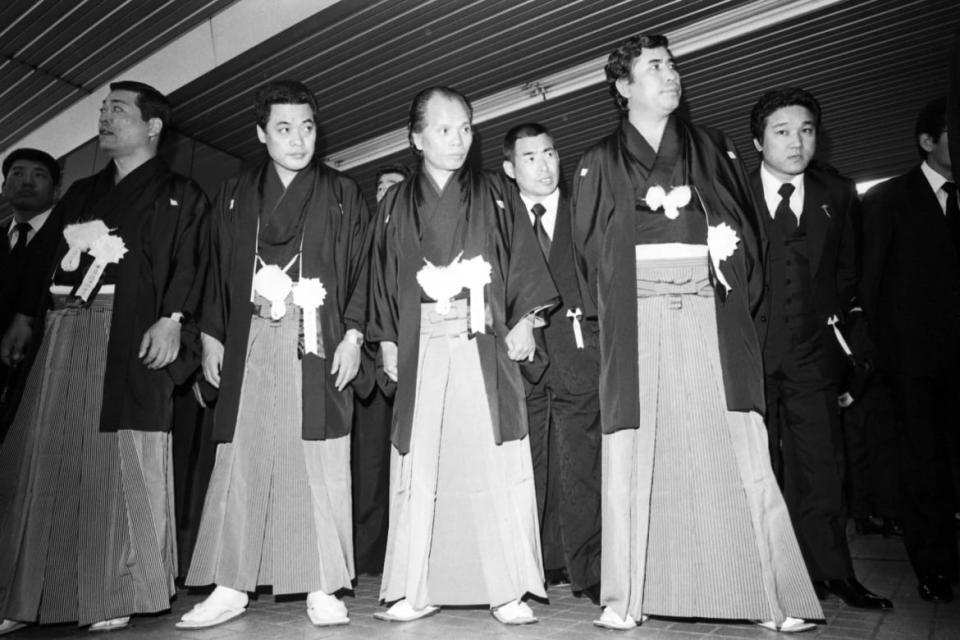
{"points": [[86, 518], [463, 511], [694, 524], [277, 510]]}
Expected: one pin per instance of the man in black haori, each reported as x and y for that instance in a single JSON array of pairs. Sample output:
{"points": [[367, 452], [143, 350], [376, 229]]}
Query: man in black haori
{"points": [[456, 277], [693, 522], [563, 407], [86, 485], [282, 328]]}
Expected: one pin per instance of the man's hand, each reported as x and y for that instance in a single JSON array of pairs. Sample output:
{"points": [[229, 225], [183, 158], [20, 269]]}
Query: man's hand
{"points": [[520, 342], [212, 359], [13, 347], [160, 344], [346, 359], [388, 352]]}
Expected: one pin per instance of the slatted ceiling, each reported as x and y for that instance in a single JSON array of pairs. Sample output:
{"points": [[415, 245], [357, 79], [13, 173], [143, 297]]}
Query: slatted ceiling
{"points": [[76, 46]]}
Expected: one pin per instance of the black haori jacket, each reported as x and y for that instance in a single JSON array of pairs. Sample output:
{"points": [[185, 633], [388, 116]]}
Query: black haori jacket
{"points": [[335, 250], [604, 206], [162, 218], [496, 228]]}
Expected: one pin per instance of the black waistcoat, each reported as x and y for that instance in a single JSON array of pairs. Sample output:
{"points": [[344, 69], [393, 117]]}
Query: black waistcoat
{"points": [[792, 315]]}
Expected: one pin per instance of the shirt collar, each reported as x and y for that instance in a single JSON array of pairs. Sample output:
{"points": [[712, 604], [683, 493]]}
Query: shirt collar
{"points": [[771, 190], [35, 222], [935, 179], [550, 203]]}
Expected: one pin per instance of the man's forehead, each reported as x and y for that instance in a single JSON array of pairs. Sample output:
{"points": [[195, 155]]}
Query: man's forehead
{"points": [[532, 144], [121, 97], [301, 112], [29, 165], [651, 55], [788, 113]]}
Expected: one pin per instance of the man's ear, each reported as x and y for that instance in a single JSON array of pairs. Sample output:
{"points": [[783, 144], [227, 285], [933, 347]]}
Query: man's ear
{"points": [[758, 145], [622, 86], [926, 142], [261, 134], [508, 169], [154, 127]]}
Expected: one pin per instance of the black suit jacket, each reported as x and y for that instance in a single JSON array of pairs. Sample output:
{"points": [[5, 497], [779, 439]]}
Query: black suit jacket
{"points": [[829, 206], [911, 277], [570, 369]]}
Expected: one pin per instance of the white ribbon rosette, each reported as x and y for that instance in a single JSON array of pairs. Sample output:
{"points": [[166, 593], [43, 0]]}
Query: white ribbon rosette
{"points": [[722, 241], [80, 237], [475, 274], [106, 249], [273, 284], [671, 202], [575, 315], [443, 283], [308, 294]]}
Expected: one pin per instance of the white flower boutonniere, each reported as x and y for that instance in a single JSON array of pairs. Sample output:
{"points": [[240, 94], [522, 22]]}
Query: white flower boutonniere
{"points": [[80, 237], [308, 294], [105, 249], [671, 202], [722, 242], [273, 284]]}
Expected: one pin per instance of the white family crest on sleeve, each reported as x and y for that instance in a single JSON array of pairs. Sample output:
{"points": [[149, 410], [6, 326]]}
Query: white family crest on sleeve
{"points": [[584, 171], [275, 285], [174, 203], [722, 241], [80, 237], [308, 294], [671, 202]]}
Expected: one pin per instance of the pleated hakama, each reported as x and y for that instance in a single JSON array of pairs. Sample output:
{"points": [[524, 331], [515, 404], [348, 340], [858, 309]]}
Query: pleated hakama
{"points": [[277, 510], [463, 511], [694, 524], [86, 518]]}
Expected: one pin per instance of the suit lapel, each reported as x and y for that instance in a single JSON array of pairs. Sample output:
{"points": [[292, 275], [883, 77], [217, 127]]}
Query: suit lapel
{"points": [[756, 184], [817, 213], [926, 203]]}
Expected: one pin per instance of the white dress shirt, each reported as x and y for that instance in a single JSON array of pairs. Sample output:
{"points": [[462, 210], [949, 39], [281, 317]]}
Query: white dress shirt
{"points": [[549, 218], [936, 183], [771, 192], [35, 223]]}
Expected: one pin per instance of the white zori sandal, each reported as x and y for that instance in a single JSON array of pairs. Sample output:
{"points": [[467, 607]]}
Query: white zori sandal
{"points": [[790, 625], [113, 624], [515, 612], [403, 611], [610, 620], [325, 610], [221, 605]]}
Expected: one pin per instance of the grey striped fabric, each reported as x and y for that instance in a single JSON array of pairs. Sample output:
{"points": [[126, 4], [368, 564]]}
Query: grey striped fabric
{"points": [[277, 510], [86, 518], [463, 512], [693, 522]]}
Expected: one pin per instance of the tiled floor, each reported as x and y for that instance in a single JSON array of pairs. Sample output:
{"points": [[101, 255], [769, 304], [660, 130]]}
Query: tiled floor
{"points": [[880, 564]]}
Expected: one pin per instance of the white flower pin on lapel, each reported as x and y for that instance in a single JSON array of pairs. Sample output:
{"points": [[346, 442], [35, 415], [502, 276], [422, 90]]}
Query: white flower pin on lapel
{"points": [[826, 209]]}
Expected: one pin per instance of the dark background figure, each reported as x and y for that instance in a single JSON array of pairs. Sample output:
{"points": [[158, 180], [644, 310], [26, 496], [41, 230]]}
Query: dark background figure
{"points": [[563, 406], [810, 276], [31, 184], [370, 444], [911, 292]]}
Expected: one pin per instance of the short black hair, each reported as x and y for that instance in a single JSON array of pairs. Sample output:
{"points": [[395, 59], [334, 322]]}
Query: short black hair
{"points": [[152, 103], [33, 155], [402, 169], [931, 120], [778, 99], [282, 92], [418, 111], [525, 130], [620, 62]]}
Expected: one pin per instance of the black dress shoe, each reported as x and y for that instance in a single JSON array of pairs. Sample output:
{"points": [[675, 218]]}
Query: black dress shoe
{"points": [[891, 528], [592, 592], [856, 595], [557, 578], [867, 526], [935, 589]]}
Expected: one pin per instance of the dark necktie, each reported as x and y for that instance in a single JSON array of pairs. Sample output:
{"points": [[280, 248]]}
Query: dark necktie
{"points": [[538, 210], [784, 216], [952, 211], [21, 229]]}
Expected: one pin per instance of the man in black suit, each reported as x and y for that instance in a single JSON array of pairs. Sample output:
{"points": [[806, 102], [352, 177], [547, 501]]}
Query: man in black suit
{"points": [[810, 280], [911, 292], [31, 184], [562, 403]]}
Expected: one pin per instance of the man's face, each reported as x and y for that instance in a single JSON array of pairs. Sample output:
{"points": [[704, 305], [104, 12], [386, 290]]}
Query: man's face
{"points": [[446, 136], [290, 136], [535, 166], [789, 141], [386, 181], [29, 187], [654, 84], [122, 129], [938, 153]]}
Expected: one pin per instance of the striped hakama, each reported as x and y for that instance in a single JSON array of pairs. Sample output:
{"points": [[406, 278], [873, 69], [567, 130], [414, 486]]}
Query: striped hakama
{"points": [[86, 518], [694, 524], [277, 510], [463, 512]]}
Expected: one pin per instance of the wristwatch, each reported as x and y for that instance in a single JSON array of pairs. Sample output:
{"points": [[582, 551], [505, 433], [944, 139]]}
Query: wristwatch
{"points": [[354, 336], [177, 316]]}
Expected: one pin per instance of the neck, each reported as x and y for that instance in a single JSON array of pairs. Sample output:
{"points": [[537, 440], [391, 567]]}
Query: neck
{"points": [[779, 175], [286, 175], [650, 126], [946, 172], [439, 176], [25, 216], [128, 163]]}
